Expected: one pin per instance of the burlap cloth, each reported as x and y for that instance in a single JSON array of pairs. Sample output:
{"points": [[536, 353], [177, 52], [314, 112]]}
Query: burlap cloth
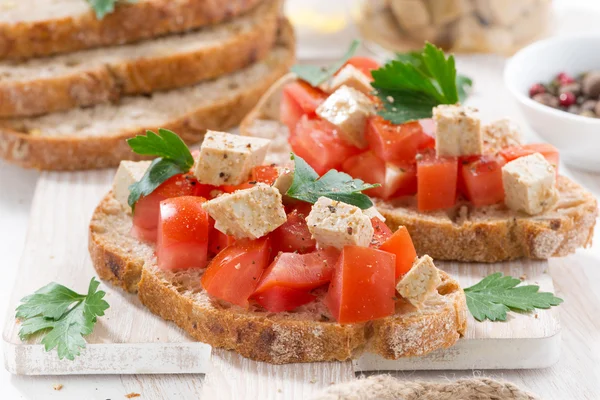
{"points": [[385, 387]]}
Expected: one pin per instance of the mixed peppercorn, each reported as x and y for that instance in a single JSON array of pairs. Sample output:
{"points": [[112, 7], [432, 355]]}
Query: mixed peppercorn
{"points": [[578, 95]]}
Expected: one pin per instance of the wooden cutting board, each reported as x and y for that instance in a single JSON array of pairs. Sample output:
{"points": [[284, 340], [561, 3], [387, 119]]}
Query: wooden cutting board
{"points": [[131, 340]]}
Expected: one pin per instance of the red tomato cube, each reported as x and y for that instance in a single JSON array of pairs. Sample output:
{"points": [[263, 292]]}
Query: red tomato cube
{"points": [[319, 144], [363, 285], [293, 235], [400, 244], [482, 180], [282, 298], [182, 233], [364, 65], [217, 240], [235, 272], [549, 152], [397, 143], [381, 232], [300, 271], [290, 112], [145, 216], [305, 96], [436, 181]]}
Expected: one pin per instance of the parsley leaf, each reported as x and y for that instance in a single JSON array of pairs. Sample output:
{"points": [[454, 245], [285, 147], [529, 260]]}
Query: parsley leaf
{"points": [[496, 294], [307, 186], [316, 75], [174, 158], [412, 84], [65, 315]]}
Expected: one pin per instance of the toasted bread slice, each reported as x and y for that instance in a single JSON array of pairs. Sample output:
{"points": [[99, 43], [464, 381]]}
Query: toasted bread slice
{"points": [[85, 78], [95, 137], [32, 28], [305, 335], [464, 233]]}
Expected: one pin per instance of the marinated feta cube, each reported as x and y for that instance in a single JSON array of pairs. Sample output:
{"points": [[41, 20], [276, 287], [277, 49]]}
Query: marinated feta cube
{"points": [[248, 213], [529, 184], [499, 134], [420, 282], [129, 172], [284, 180], [458, 131], [336, 224], [227, 159], [348, 76], [348, 109]]}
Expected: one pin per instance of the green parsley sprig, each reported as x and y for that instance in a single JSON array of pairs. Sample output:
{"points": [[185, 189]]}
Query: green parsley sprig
{"points": [[412, 84], [174, 158], [316, 75], [307, 186], [104, 7], [64, 315], [496, 295]]}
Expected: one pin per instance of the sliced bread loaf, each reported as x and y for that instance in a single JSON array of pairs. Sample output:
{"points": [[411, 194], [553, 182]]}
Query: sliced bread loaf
{"points": [[95, 137], [31, 28], [463, 233], [305, 335], [89, 77]]}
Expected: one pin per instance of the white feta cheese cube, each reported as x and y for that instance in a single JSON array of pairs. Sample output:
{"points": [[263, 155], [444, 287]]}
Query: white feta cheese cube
{"points": [[348, 109], [336, 224], [420, 282], [248, 213], [129, 172], [529, 184], [284, 180], [500, 134], [348, 76], [227, 159], [458, 131]]}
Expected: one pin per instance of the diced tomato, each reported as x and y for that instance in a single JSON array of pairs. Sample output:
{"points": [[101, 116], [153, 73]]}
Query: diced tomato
{"points": [[282, 298], [482, 180], [396, 143], [290, 112], [265, 174], [306, 96], [182, 233], [145, 216], [381, 232], [293, 235], [436, 181], [300, 271], [235, 272], [303, 208], [395, 181], [400, 244], [429, 128], [363, 285], [364, 64], [235, 188], [549, 152], [217, 240], [319, 144]]}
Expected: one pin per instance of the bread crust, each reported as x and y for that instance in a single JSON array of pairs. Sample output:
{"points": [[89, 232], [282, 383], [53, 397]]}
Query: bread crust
{"points": [[145, 74], [465, 233], [306, 336], [129, 22], [76, 152]]}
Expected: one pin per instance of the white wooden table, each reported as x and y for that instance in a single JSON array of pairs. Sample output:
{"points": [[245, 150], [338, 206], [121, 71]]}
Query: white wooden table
{"points": [[576, 376]]}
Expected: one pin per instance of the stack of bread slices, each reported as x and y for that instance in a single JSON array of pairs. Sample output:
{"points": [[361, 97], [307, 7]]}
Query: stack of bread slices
{"points": [[74, 87]]}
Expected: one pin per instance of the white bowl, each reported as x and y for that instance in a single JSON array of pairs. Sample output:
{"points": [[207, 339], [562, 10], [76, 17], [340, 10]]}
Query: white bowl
{"points": [[576, 137]]}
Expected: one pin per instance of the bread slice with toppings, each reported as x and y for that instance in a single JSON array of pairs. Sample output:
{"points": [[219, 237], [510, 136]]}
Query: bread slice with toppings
{"points": [[33, 28], [95, 137], [307, 334], [90, 77], [464, 232]]}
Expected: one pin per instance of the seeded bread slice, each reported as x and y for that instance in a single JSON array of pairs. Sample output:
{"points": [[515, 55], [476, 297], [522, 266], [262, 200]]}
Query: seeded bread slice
{"points": [[464, 233], [85, 78], [95, 137], [33, 28], [305, 335]]}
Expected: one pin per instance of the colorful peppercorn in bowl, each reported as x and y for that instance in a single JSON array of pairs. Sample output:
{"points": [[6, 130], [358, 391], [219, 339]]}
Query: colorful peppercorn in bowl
{"points": [[554, 84]]}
